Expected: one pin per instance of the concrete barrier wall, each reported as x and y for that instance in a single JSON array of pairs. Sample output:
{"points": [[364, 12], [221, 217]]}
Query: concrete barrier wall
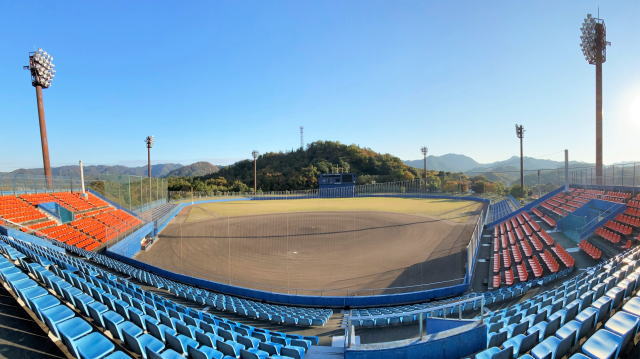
{"points": [[459, 342], [129, 246]]}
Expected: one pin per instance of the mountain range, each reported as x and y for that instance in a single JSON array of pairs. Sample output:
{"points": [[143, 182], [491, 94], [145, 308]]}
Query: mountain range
{"points": [[460, 163], [157, 170]]}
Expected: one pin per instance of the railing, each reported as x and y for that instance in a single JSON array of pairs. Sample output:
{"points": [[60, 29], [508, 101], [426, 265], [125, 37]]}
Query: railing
{"points": [[422, 315]]}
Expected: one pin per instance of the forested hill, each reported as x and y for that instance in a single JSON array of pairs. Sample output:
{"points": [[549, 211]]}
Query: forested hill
{"points": [[299, 169]]}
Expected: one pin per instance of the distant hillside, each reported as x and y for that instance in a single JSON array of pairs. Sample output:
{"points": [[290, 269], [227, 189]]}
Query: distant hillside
{"points": [[194, 169], [530, 163], [299, 169], [158, 170], [450, 162]]}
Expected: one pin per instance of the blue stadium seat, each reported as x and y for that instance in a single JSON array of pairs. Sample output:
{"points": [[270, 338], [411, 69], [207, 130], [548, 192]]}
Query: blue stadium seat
{"points": [[55, 315], [140, 343], [522, 343], [624, 324], [72, 330], [204, 352], [93, 346], [495, 353], [603, 306], [180, 343], [632, 306], [603, 344], [552, 345]]}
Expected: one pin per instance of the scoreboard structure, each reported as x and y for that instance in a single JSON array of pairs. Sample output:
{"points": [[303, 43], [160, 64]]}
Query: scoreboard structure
{"points": [[337, 185]]}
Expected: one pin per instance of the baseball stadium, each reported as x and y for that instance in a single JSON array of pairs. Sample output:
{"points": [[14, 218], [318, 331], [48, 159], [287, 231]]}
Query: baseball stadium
{"points": [[346, 263]]}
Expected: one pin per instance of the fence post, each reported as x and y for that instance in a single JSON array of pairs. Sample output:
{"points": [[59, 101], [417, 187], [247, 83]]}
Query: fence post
{"points": [[420, 319]]}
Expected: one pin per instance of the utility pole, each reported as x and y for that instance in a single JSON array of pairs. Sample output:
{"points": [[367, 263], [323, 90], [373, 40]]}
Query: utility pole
{"points": [[520, 134], [255, 175]]}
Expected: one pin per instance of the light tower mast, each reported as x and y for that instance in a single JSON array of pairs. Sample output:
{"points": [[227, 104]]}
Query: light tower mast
{"points": [[255, 154], [593, 42], [149, 141], [520, 135], [42, 72], [424, 151]]}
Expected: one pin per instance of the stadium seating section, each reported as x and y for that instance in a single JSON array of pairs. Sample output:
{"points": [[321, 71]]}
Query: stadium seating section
{"points": [[616, 234], [501, 209], [523, 250], [95, 221], [97, 314], [597, 313]]}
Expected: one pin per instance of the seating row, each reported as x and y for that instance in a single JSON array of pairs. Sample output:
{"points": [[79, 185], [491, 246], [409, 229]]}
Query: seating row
{"points": [[152, 326], [558, 322], [593, 251]]}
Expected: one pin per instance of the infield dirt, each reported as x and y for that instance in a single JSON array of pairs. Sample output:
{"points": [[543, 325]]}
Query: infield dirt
{"points": [[318, 253]]}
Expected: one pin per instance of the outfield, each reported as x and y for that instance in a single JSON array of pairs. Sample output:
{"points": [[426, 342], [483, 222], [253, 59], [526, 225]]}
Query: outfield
{"points": [[454, 210], [335, 245]]}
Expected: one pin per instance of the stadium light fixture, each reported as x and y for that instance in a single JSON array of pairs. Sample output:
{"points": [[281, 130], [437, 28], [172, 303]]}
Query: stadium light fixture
{"points": [[255, 154], [42, 72], [593, 42], [520, 135], [149, 141], [424, 151]]}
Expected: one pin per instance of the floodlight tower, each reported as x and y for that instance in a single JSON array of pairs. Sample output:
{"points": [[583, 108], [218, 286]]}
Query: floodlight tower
{"points": [[149, 141], [42, 72], [424, 151], [302, 137], [593, 42], [255, 154], [520, 134]]}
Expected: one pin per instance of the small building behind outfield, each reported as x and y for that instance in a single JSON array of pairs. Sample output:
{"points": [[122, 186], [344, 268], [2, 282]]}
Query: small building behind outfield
{"points": [[337, 185]]}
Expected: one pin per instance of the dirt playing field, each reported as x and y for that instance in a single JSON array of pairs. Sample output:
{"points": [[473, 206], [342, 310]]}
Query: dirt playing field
{"points": [[320, 246]]}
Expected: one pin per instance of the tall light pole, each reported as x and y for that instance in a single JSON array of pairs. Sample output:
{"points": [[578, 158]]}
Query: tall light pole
{"points": [[302, 137], [255, 153], [593, 41], [520, 134], [42, 72], [424, 151], [149, 141]]}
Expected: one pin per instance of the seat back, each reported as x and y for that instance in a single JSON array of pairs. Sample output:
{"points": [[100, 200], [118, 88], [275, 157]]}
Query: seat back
{"points": [[226, 349], [520, 329], [528, 342], [183, 329], [506, 353], [268, 347], [563, 347], [588, 324], [204, 339], [552, 326], [245, 354], [173, 342], [496, 340], [132, 342], [151, 354], [291, 352]]}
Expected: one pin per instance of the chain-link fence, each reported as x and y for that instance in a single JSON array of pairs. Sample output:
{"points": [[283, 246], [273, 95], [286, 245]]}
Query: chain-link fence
{"points": [[16, 184], [134, 193]]}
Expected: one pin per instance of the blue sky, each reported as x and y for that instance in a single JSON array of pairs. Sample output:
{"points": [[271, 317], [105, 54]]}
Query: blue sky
{"points": [[213, 80]]}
